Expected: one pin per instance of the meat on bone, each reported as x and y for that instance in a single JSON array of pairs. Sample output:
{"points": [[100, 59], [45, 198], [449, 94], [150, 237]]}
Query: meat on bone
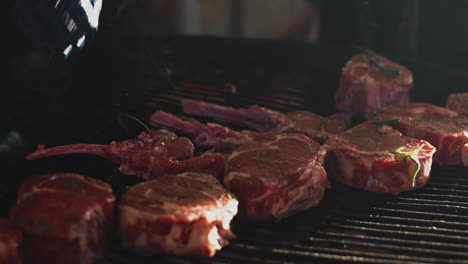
{"points": [[273, 174], [458, 102], [370, 81], [262, 119], [184, 214], [214, 136], [446, 130], [65, 218], [11, 243], [371, 157], [149, 156]]}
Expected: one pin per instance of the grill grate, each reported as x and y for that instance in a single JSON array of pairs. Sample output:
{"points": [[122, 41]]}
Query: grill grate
{"points": [[429, 225]]}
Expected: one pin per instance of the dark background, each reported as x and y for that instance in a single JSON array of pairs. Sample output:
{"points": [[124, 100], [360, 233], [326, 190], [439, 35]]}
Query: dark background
{"points": [[429, 31], [109, 76], [45, 99]]}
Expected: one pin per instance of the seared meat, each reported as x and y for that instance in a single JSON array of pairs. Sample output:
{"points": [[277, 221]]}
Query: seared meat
{"points": [[370, 81], [464, 153], [11, 243], [65, 217], [189, 213], [218, 138], [446, 130], [263, 119], [458, 102], [378, 158], [273, 174], [148, 156]]}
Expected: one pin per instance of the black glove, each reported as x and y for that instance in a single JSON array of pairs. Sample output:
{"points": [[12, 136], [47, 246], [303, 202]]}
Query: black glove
{"points": [[58, 26]]}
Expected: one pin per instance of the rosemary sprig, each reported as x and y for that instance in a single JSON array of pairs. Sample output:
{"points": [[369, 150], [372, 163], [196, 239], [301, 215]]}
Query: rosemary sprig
{"points": [[374, 62], [387, 122], [413, 154], [133, 118], [324, 122]]}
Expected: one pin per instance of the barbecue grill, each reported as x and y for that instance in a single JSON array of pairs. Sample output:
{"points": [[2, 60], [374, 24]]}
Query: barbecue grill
{"points": [[429, 225]]}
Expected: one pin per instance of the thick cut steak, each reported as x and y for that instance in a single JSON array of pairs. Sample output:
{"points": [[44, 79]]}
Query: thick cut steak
{"points": [[458, 102], [317, 127], [464, 152], [65, 217], [446, 130], [11, 243], [372, 157], [188, 213], [369, 82], [275, 175], [263, 119], [148, 156]]}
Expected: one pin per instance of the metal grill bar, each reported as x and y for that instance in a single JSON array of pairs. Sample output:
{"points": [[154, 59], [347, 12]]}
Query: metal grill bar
{"points": [[433, 228], [334, 253], [410, 235], [398, 220], [413, 246], [390, 245], [429, 225], [431, 201], [445, 196]]}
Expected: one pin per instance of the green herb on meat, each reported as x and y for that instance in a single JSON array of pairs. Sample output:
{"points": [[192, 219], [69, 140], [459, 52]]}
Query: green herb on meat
{"points": [[119, 119], [374, 62], [413, 154], [387, 122]]}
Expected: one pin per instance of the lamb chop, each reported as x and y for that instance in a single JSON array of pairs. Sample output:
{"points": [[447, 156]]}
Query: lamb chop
{"points": [[263, 119], [444, 129], [370, 81], [184, 214], [148, 156], [458, 102], [65, 217], [378, 158], [272, 174], [218, 138], [11, 243]]}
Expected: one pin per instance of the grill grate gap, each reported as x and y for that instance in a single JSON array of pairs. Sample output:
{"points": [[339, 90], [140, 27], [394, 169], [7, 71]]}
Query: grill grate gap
{"points": [[429, 225]]}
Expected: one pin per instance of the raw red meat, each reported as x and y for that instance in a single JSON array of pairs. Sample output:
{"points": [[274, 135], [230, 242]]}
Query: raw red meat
{"points": [[148, 156], [263, 119], [191, 128], [317, 127], [446, 130], [11, 243], [370, 81], [275, 175], [464, 152], [368, 157], [218, 138], [458, 102], [188, 213], [65, 217]]}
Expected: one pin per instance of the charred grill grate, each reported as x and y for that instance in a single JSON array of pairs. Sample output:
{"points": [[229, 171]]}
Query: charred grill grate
{"points": [[429, 225]]}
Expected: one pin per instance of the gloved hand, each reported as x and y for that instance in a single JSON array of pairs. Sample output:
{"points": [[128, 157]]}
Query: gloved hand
{"points": [[59, 26]]}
